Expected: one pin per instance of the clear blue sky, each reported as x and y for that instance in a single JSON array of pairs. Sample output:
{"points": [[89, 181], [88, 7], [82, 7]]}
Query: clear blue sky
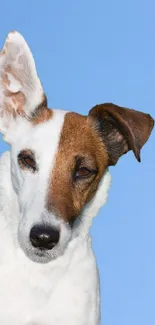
{"points": [[89, 52]]}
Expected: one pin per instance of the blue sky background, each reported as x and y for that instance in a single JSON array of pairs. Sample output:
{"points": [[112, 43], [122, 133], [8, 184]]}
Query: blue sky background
{"points": [[90, 52]]}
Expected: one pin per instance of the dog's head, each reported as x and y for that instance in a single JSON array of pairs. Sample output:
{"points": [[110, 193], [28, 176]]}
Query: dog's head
{"points": [[58, 158]]}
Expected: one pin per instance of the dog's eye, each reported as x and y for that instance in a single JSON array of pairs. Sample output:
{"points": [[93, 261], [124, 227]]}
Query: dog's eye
{"points": [[26, 161], [84, 172]]}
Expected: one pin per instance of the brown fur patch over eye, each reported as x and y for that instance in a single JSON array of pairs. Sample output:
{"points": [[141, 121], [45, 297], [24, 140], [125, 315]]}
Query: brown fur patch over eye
{"points": [[80, 153]]}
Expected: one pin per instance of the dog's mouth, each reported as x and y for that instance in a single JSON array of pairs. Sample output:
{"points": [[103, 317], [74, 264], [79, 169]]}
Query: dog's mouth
{"points": [[40, 255]]}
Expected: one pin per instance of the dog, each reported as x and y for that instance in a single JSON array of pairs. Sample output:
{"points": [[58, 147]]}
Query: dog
{"points": [[52, 183]]}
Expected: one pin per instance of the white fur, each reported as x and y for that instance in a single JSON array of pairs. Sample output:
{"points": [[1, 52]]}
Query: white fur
{"points": [[61, 286], [30, 188], [64, 291]]}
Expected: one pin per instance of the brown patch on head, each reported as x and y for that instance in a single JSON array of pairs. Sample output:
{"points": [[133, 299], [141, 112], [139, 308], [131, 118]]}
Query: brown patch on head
{"points": [[88, 145], [79, 165]]}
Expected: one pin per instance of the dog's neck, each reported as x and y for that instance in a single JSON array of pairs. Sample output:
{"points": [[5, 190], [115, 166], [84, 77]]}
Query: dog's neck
{"points": [[9, 211]]}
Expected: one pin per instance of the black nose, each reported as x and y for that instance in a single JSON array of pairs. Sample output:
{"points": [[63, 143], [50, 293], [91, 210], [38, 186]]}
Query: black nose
{"points": [[44, 236]]}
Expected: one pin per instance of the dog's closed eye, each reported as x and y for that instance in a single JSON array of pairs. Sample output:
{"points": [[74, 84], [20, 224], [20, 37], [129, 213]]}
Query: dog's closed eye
{"points": [[84, 168], [26, 160], [84, 172]]}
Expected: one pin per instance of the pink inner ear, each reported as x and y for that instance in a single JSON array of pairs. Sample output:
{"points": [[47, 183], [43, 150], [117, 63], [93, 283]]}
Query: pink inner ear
{"points": [[13, 85], [14, 99], [19, 101], [21, 90]]}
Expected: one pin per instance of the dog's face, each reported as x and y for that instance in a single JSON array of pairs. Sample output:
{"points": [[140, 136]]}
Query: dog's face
{"points": [[57, 158]]}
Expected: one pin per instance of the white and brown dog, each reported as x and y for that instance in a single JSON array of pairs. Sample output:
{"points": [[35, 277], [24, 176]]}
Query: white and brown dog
{"points": [[52, 183]]}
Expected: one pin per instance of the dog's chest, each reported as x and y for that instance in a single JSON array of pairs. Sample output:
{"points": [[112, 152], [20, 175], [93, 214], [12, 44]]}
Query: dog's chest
{"points": [[21, 294], [25, 287], [39, 295]]}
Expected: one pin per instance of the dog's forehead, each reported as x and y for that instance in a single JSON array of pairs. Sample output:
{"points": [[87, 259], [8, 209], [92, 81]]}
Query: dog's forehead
{"points": [[41, 136], [63, 131]]}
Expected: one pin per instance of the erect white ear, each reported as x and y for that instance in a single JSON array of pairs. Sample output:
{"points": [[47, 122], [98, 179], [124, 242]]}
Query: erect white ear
{"points": [[20, 88]]}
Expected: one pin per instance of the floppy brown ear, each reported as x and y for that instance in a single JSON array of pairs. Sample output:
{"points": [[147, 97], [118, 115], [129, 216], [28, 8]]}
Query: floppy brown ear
{"points": [[121, 129]]}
